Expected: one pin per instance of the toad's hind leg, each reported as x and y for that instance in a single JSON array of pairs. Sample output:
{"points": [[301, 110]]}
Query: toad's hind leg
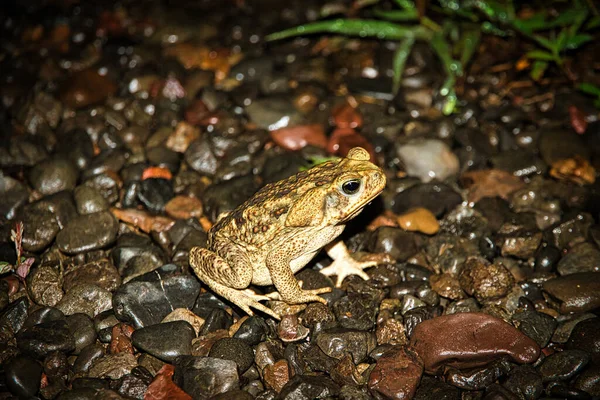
{"points": [[228, 281]]}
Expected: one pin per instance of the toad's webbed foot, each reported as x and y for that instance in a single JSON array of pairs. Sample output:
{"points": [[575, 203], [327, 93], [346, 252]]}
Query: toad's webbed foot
{"points": [[344, 264]]}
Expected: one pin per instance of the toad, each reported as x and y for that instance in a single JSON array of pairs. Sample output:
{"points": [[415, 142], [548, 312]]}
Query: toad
{"points": [[276, 232]]}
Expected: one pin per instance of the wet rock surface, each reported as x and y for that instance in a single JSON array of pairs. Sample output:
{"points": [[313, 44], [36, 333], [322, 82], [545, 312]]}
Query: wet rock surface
{"points": [[127, 130]]}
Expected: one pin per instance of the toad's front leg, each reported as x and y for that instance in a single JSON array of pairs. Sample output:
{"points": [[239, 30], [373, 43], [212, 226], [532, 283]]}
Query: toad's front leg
{"points": [[228, 281], [278, 263]]}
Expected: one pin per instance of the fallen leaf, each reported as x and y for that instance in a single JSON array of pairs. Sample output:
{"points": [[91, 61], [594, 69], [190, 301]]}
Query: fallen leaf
{"points": [[143, 220], [345, 116], [342, 140], [184, 207], [490, 183]]}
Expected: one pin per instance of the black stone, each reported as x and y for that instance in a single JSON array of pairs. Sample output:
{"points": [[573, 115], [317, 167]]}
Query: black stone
{"points": [[203, 377], [23, 376], [42, 339], [165, 341], [235, 350], [309, 387], [146, 300]]}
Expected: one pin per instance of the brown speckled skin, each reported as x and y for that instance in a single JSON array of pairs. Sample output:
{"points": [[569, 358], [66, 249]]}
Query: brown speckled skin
{"points": [[278, 231]]}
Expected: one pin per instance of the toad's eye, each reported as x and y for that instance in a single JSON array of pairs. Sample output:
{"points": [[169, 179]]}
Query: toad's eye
{"points": [[351, 186]]}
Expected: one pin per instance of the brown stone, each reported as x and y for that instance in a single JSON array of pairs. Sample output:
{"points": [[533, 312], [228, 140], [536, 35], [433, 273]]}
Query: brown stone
{"points": [[397, 374], [419, 220], [577, 292], [87, 87], [277, 375], [447, 286], [485, 281], [297, 137], [469, 340], [120, 341], [101, 273]]}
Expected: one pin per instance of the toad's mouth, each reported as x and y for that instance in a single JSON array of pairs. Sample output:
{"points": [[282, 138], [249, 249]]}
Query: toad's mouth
{"points": [[354, 212]]}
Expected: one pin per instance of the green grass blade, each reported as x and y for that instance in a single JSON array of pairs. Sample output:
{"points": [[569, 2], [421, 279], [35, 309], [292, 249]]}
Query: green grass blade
{"points": [[470, 41], [538, 69], [589, 88], [355, 27], [400, 57], [577, 40], [405, 4], [397, 15], [540, 55]]}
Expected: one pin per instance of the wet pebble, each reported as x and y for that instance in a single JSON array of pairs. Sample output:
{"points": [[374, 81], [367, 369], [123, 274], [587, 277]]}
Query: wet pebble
{"points": [[355, 312], [396, 374], [419, 220], [309, 387], [14, 195], [563, 365], [477, 378], [277, 375], [83, 330], [113, 366], [86, 358], [397, 243], [584, 257], [88, 232], [155, 193], [100, 273], [578, 292], [165, 341], [297, 137], [589, 380], [337, 344], [204, 377], [43, 314], [273, 113], [428, 159], [436, 197], [525, 382], [484, 280], [85, 298], [478, 339], [42, 339], [252, 331], [45, 285], [89, 201], [14, 315], [53, 176], [586, 336], [23, 376], [85, 88], [538, 326], [518, 243], [40, 226], [147, 301], [235, 350]]}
